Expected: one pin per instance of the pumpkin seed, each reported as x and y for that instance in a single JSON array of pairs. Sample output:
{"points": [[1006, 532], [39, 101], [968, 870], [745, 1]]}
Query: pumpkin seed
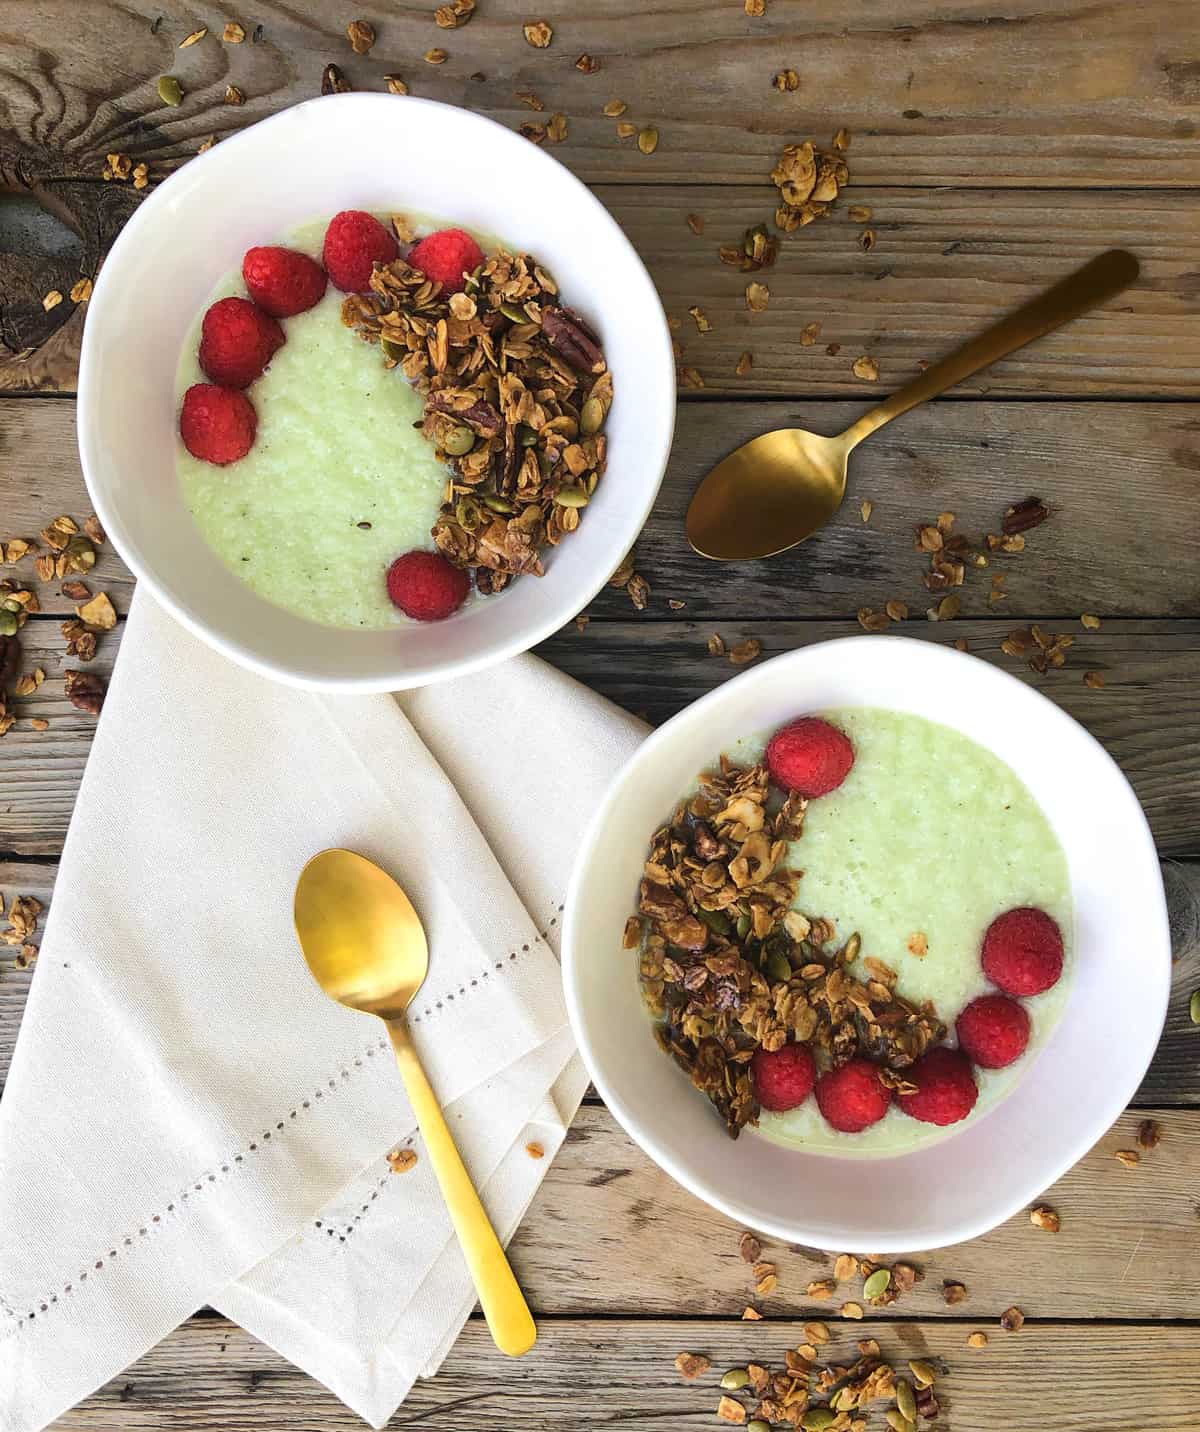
{"points": [[816, 1419], [756, 1424], [743, 926], [716, 920], [897, 1421], [170, 91], [514, 312], [591, 419], [735, 1379], [527, 436], [571, 497], [391, 349], [467, 514], [877, 1283], [906, 1400], [924, 1373], [778, 966], [8, 623], [459, 441], [497, 504], [1194, 1007], [647, 140]]}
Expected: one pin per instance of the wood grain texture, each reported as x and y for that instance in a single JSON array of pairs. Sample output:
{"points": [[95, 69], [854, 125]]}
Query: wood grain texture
{"points": [[591, 1374], [945, 264], [1080, 92], [1123, 480]]}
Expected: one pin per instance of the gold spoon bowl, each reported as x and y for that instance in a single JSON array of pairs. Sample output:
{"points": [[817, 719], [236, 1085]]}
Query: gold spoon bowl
{"points": [[366, 948], [778, 489]]}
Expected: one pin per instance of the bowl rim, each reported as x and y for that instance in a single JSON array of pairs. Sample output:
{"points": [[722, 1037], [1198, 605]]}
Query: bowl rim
{"points": [[1077, 1140], [654, 456]]}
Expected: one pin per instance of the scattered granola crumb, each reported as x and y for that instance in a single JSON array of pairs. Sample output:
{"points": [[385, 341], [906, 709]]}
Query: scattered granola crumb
{"points": [[1094, 679], [1149, 1133], [587, 64], [756, 8], [821, 1289], [435, 57], [1044, 1217], [751, 1315], [639, 591], [52, 300], [675, 604], [871, 620], [810, 333], [527, 97], [233, 33], [692, 1364], [745, 651], [233, 95], [852, 1310], [450, 17], [361, 34], [845, 1268], [581, 622], [695, 222], [1021, 516], [716, 644], [625, 130], [744, 363], [1012, 1320], [1089, 622], [786, 81], [866, 240], [39, 723], [85, 691], [401, 1160], [396, 84], [537, 33], [833, 349], [918, 944], [865, 368], [194, 38], [953, 1292], [977, 1340], [702, 323], [614, 109], [866, 507], [728, 1409], [82, 291], [758, 295], [26, 956], [897, 610], [691, 377], [556, 130], [1129, 1157], [858, 214], [535, 1151], [22, 919], [960, 644]]}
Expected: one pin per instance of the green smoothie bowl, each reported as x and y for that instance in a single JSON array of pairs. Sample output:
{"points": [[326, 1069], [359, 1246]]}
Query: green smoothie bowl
{"points": [[868, 908], [373, 394]]}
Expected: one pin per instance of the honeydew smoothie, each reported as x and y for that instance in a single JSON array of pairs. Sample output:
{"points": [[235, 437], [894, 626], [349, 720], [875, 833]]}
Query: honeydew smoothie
{"points": [[338, 482], [928, 839]]}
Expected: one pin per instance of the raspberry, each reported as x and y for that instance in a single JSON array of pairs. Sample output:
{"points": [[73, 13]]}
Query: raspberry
{"points": [[1023, 951], [783, 1077], [217, 424], [993, 1030], [237, 341], [425, 586], [853, 1097], [354, 243], [946, 1090], [447, 257], [281, 281], [810, 756]]}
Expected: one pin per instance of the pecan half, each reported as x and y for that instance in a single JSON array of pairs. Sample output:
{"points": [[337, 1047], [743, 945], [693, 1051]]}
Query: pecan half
{"points": [[567, 333], [85, 691], [1021, 516]]}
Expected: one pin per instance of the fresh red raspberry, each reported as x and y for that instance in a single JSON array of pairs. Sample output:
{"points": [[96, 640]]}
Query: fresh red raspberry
{"points": [[355, 242], [447, 257], [237, 341], [783, 1077], [993, 1030], [425, 586], [810, 756], [946, 1089], [281, 281], [853, 1097], [217, 424], [1023, 951]]}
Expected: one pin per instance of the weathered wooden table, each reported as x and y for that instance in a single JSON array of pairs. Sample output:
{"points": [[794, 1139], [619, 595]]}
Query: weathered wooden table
{"points": [[995, 151]]}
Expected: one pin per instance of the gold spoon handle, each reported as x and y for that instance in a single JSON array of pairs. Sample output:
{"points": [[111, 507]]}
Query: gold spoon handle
{"points": [[504, 1306], [1088, 286]]}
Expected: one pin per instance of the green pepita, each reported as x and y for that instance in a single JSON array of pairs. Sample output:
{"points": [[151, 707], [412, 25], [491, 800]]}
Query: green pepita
{"points": [[877, 1283], [527, 435], [170, 91], [778, 966], [897, 1421], [758, 232], [591, 418], [514, 312], [571, 497], [924, 1373], [735, 1379], [743, 926], [1194, 1007], [906, 1400], [716, 920], [8, 624], [459, 441], [816, 1419], [10, 604], [497, 504], [81, 554], [467, 514], [392, 349], [756, 1424]]}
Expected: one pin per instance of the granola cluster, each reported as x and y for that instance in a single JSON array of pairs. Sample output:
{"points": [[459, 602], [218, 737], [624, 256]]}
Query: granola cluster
{"points": [[728, 966], [516, 393]]}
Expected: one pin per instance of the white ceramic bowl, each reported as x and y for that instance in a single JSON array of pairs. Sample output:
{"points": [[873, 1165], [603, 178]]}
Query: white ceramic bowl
{"points": [[380, 152], [1082, 1078]]}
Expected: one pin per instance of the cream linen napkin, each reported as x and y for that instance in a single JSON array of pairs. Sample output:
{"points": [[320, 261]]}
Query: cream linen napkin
{"points": [[188, 1120]]}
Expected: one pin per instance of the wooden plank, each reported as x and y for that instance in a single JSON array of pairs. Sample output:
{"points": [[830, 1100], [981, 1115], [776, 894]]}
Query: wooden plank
{"points": [[1147, 715], [1120, 477], [211, 1377], [944, 265], [1078, 93]]}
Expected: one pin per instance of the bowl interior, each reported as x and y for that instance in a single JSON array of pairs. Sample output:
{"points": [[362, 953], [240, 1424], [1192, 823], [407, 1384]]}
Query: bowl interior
{"points": [[1078, 1083], [386, 153]]}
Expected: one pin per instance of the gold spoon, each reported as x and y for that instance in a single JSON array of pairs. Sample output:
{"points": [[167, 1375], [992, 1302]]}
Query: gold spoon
{"points": [[366, 948], [777, 489]]}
